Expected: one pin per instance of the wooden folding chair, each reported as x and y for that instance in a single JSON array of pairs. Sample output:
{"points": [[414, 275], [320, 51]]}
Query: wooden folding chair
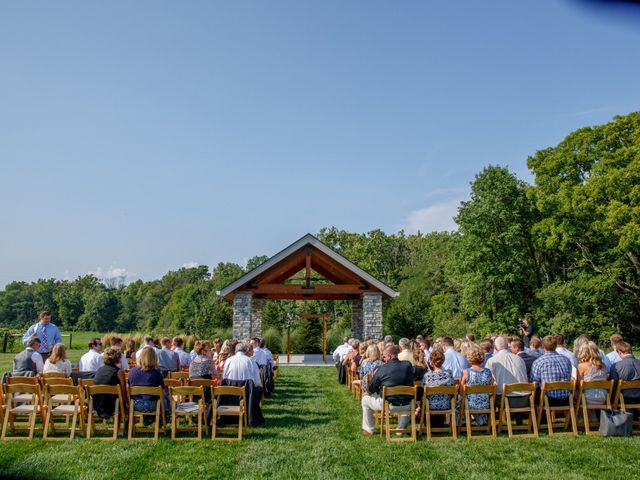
{"points": [[450, 414], [64, 401], [388, 412], [467, 411], [356, 387], [584, 407], [118, 413], [506, 410], [228, 411], [183, 377], [28, 405], [626, 405], [187, 410], [47, 375], [172, 382], [550, 412], [158, 414]]}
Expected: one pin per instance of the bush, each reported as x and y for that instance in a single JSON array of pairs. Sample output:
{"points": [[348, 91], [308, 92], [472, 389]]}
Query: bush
{"points": [[273, 339], [335, 334]]}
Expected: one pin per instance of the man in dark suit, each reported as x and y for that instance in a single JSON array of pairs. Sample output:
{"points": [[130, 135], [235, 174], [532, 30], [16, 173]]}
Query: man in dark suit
{"points": [[517, 348], [392, 373]]}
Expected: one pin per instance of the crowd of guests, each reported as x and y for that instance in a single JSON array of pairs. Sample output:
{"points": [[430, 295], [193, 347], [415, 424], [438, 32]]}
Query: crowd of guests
{"points": [[496, 359], [147, 365]]}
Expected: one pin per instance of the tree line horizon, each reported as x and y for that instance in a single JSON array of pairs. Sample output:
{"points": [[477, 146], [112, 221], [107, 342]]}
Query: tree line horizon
{"points": [[564, 250]]}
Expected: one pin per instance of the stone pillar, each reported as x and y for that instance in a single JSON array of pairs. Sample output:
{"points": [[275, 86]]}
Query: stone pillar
{"points": [[357, 324], [372, 315], [256, 317], [242, 309]]}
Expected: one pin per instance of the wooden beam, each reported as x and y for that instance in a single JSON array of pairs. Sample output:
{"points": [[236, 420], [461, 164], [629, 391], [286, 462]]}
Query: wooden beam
{"points": [[307, 296], [307, 251], [333, 268], [279, 288], [294, 263]]}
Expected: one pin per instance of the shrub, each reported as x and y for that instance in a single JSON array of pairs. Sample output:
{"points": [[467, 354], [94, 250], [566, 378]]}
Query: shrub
{"points": [[273, 339]]}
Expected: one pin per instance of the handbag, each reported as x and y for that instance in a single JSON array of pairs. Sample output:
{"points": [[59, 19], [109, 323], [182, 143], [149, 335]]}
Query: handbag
{"points": [[615, 423]]}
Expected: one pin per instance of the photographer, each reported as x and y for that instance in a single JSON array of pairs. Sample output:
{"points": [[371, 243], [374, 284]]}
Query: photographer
{"points": [[526, 330]]}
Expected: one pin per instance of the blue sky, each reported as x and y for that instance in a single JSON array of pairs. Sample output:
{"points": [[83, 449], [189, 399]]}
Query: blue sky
{"points": [[136, 137]]}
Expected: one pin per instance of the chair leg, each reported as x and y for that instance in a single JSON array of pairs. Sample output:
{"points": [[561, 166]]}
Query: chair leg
{"points": [[131, 420], [74, 420]]}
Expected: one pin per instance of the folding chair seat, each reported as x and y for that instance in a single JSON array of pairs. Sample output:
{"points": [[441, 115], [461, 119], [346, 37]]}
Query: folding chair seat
{"points": [[229, 411], [389, 410], [467, 411], [63, 401], [18, 397], [158, 414], [630, 406], [506, 410], [183, 377], [25, 407], [552, 411], [187, 410], [450, 414], [583, 407], [118, 413]]}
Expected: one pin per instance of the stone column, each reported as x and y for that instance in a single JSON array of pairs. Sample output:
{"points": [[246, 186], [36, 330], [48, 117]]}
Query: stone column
{"points": [[357, 319], [242, 309], [372, 315], [256, 317]]}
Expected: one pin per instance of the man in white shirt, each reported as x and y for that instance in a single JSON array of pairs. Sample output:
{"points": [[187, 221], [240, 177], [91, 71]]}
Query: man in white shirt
{"points": [[92, 360], [240, 367], [185, 358], [508, 368], [453, 361], [564, 351], [148, 342], [267, 354], [341, 351], [613, 355], [259, 356]]}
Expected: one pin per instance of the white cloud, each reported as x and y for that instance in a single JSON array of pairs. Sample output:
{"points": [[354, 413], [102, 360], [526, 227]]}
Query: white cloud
{"points": [[434, 218], [112, 276], [190, 264]]}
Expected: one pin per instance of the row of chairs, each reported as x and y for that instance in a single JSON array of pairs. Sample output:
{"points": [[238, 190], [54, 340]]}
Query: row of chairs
{"points": [[58, 398], [568, 418]]}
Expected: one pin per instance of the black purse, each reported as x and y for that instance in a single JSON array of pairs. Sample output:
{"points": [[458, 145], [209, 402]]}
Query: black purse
{"points": [[615, 423]]}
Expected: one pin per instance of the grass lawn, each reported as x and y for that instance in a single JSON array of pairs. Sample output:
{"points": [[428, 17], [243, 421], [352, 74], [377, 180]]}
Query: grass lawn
{"points": [[313, 431]]}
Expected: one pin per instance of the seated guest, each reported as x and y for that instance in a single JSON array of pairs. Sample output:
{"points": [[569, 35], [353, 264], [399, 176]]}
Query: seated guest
{"points": [[116, 342], [476, 374], [552, 367], [350, 358], [148, 342], [267, 353], [591, 368], [584, 339], [92, 360], [388, 339], [146, 374], [109, 374], [419, 365], [517, 348], [453, 361], [535, 347], [627, 368], [259, 356], [613, 355], [223, 356], [28, 362], [562, 349], [130, 349], [487, 348], [240, 367], [217, 346], [168, 360], [183, 357], [405, 355], [369, 365], [438, 378], [507, 368], [202, 365], [58, 362], [392, 373]]}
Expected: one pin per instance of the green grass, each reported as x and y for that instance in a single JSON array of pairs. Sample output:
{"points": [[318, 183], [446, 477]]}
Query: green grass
{"points": [[313, 431]]}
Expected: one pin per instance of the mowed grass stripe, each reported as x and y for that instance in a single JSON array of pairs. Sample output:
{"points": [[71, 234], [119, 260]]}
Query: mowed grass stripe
{"points": [[313, 431]]}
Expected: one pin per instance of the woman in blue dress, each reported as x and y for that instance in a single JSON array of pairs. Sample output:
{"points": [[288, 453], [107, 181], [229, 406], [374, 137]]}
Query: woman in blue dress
{"points": [[477, 375]]}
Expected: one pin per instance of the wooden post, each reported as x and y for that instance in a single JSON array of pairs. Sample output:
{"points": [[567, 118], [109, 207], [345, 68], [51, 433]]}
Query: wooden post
{"points": [[5, 340], [324, 340], [70, 340], [289, 345]]}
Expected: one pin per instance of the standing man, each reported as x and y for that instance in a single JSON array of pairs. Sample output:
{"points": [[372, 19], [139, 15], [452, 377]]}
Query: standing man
{"points": [[47, 332], [526, 331]]}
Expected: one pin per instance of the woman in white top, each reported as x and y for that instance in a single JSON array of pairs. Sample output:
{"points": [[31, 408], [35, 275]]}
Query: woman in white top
{"points": [[57, 361]]}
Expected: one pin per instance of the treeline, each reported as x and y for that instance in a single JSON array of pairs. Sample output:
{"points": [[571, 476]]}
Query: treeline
{"points": [[565, 251]]}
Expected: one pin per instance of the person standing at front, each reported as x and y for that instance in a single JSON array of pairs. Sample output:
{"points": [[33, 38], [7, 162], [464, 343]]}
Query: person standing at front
{"points": [[47, 332]]}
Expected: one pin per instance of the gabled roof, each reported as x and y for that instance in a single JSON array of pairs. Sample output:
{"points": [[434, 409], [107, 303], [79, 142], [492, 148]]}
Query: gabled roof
{"points": [[307, 241]]}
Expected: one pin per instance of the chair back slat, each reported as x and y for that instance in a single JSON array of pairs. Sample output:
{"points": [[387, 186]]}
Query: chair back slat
{"points": [[47, 375], [63, 390], [552, 386], [518, 387], [440, 390], [600, 384], [103, 389], [627, 384], [172, 382], [189, 390], [22, 380], [202, 382], [399, 390], [472, 389], [58, 381], [22, 388], [154, 391], [227, 390]]}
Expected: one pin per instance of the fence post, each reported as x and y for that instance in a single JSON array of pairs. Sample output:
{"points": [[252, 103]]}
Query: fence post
{"points": [[4, 343], [70, 340]]}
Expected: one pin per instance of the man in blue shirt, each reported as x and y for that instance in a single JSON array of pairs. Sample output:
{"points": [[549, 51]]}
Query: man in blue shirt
{"points": [[551, 367], [453, 361], [47, 332]]}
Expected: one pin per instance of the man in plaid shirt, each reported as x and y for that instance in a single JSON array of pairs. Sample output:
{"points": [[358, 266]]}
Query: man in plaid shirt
{"points": [[552, 367]]}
